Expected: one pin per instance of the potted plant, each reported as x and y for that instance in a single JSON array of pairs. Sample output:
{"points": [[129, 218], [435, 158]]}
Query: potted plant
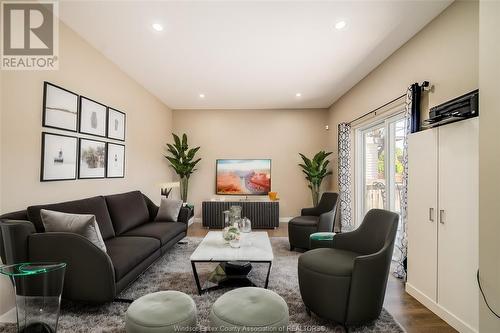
{"points": [[182, 160], [315, 170]]}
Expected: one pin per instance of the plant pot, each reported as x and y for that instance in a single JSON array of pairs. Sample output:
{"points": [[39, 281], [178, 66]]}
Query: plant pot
{"points": [[315, 194], [184, 183]]}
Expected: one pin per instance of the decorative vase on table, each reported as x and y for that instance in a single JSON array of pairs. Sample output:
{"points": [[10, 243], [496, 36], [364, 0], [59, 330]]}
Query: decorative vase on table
{"points": [[231, 235], [273, 196], [231, 232], [246, 225], [235, 214]]}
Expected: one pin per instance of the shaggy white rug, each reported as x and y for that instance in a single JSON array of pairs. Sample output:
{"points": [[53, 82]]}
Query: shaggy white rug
{"points": [[173, 272]]}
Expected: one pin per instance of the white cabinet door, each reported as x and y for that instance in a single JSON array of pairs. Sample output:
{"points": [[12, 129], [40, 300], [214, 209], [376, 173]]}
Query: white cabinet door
{"points": [[422, 212], [458, 221]]}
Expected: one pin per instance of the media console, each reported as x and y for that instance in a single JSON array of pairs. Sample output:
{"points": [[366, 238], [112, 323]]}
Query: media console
{"points": [[263, 214]]}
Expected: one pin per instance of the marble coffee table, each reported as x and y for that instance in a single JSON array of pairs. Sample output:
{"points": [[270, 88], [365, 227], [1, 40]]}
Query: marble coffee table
{"points": [[255, 248]]}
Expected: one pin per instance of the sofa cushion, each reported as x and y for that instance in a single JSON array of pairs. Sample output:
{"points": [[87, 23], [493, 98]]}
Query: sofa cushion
{"points": [[329, 261], [306, 221], [163, 231], [95, 206], [127, 210], [81, 224], [128, 252], [169, 210]]}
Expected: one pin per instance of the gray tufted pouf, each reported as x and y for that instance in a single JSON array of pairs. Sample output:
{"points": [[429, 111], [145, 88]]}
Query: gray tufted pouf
{"points": [[249, 309], [163, 311]]}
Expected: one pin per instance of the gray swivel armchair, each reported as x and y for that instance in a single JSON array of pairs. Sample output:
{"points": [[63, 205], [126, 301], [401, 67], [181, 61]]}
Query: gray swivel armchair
{"points": [[345, 281], [311, 220]]}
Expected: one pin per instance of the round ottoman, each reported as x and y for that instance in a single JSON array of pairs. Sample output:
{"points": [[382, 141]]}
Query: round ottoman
{"points": [[163, 311], [249, 309]]}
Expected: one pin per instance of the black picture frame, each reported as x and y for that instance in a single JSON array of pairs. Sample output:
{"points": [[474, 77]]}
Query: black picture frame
{"points": [[43, 165], [80, 146], [81, 122], [46, 86], [107, 159], [110, 109]]}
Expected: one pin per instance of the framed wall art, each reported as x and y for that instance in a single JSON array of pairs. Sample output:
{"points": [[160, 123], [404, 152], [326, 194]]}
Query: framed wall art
{"points": [[92, 159], [116, 124], [93, 117], [60, 108], [59, 156], [116, 161]]}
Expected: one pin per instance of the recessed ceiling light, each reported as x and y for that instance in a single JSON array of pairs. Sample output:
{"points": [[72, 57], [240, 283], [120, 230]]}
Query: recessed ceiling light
{"points": [[340, 25], [298, 95], [157, 27], [202, 95]]}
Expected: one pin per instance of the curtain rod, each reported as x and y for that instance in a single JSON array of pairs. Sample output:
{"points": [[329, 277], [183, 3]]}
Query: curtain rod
{"points": [[376, 109]]}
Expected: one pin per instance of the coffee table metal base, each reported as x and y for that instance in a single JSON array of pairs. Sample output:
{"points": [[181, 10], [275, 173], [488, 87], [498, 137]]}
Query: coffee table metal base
{"points": [[231, 281]]}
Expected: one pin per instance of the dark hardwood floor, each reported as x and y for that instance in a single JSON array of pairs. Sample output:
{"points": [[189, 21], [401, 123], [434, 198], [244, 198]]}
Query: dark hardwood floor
{"points": [[412, 315]]}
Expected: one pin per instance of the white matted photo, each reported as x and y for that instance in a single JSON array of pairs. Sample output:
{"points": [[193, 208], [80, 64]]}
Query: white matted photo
{"points": [[92, 117], [116, 161], [116, 124], [60, 108], [59, 154], [92, 161]]}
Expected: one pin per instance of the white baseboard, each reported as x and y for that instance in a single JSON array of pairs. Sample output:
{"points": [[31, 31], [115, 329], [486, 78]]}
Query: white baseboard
{"points": [[441, 312], [9, 317], [285, 219]]}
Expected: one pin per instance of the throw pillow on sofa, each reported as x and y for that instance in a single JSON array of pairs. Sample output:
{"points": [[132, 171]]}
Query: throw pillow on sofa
{"points": [[81, 224], [169, 210]]}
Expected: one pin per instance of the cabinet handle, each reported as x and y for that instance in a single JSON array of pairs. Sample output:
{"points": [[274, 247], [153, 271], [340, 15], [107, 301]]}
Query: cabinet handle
{"points": [[441, 216], [431, 214]]}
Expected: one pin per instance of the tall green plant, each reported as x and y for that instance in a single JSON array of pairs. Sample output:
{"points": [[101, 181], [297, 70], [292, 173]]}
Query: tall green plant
{"points": [[315, 170], [182, 160]]}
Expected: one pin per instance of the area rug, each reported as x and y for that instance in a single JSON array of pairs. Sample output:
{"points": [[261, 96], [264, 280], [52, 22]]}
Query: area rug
{"points": [[173, 272]]}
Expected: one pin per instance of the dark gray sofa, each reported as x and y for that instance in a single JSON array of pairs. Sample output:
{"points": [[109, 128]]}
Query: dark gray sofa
{"points": [[126, 221]]}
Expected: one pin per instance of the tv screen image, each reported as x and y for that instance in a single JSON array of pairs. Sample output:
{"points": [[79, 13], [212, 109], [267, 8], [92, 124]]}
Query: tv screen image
{"points": [[244, 177]]}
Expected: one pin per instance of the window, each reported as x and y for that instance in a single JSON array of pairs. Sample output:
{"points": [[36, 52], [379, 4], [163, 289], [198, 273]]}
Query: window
{"points": [[379, 167]]}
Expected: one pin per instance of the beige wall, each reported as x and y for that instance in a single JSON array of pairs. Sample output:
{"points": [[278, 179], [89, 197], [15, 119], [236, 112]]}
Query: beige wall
{"points": [[489, 159], [276, 134], [6, 292], [87, 72], [445, 53]]}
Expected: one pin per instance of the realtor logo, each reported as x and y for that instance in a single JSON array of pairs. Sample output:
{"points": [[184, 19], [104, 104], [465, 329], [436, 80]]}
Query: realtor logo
{"points": [[29, 35]]}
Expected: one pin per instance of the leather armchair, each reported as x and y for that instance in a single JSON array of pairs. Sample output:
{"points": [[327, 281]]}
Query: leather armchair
{"points": [[346, 281], [311, 220]]}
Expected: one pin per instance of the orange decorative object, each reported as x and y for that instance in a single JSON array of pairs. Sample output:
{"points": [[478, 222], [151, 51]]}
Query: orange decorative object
{"points": [[273, 196]]}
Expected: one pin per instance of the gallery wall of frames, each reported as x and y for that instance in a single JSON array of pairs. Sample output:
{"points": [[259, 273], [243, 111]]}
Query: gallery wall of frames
{"points": [[77, 155]]}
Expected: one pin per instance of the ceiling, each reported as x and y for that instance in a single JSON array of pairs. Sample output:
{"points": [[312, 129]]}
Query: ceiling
{"points": [[248, 55]]}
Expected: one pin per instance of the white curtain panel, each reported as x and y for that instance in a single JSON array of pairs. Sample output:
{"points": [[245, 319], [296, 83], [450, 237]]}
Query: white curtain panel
{"points": [[401, 245], [344, 171]]}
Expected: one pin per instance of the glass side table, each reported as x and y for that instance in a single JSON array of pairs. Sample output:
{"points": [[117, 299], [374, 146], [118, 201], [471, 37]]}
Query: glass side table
{"points": [[38, 288]]}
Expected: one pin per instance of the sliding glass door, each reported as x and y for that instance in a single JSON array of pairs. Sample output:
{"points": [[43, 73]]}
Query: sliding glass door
{"points": [[379, 167], [373, 172]]}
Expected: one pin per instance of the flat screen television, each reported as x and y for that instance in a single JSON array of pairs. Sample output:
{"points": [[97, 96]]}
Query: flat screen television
{"points": [[243, 177]]}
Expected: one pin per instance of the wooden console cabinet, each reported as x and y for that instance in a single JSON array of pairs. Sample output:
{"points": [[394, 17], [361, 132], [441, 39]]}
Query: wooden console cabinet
{"points": [[263, 214]]}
